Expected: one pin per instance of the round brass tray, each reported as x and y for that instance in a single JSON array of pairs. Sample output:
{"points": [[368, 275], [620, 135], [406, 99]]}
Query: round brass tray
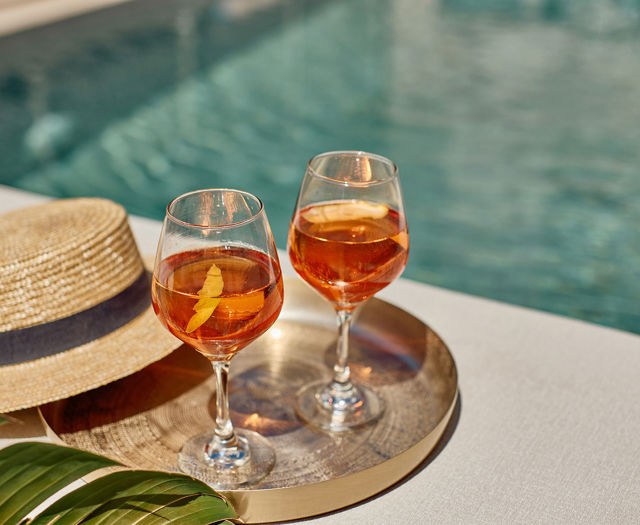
{"points": [[142, 420]]}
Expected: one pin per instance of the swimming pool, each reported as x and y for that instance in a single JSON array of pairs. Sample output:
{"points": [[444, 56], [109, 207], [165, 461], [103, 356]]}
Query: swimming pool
{"points": [[514, 125]]}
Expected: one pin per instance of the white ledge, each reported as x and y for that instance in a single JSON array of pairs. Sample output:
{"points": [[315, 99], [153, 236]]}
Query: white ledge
{"points": [[19, 15]]}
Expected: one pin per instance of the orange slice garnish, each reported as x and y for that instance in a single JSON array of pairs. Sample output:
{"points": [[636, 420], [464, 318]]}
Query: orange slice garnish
{"points": [[243, 306], [345, 211], [402, 239]]}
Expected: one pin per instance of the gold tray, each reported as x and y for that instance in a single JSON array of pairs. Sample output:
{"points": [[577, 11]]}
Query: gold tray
{"points": [[142, 420]]}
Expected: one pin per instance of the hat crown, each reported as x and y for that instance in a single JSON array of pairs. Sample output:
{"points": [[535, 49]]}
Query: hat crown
{"points": [[61, 258]]}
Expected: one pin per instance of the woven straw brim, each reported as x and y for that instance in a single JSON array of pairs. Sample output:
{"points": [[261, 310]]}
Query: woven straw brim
{"points": [[118, 354]]}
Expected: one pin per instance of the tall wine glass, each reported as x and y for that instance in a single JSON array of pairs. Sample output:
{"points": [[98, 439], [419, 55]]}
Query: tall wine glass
{"points": [[217, 286], [348, 239]]}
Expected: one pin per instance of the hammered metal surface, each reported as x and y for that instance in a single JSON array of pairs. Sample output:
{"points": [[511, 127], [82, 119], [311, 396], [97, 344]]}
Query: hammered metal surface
{"points": [[143, 419]]}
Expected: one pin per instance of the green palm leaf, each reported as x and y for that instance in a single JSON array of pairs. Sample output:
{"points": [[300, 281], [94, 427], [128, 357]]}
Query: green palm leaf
{"points": [[32, 472]]}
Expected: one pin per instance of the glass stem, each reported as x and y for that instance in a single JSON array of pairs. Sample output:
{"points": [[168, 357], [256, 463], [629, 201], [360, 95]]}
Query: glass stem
{"points": [[341, 395], [224, 433], [341, 370]]}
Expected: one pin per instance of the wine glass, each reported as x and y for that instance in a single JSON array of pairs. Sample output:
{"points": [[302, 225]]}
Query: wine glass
{"points": [[217, 286], [348, 239]]}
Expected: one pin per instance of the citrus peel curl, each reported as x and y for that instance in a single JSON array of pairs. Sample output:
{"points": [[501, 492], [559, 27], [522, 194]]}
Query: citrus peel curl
{"points": [[208, 300]]}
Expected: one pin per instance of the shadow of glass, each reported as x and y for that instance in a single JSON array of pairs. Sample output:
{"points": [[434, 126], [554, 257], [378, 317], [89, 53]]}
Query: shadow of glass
{"points": [[155, 385]]}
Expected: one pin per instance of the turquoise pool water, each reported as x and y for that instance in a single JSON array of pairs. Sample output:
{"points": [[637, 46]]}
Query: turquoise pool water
{"points": [[515, 125]]}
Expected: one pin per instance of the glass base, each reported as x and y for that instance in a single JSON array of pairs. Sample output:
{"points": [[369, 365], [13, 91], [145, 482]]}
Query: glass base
{"points": [[227, 468], [338, 408]]}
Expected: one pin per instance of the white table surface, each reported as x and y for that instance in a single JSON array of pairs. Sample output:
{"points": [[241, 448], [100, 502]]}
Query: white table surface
{"points": [[548, 429]]}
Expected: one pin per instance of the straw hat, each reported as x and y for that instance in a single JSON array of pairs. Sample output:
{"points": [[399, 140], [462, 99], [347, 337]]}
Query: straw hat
{"points": [[75, 309]]}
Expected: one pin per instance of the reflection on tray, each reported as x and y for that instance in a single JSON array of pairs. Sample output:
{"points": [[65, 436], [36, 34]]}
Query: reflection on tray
{"points": [[260, 397]]}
